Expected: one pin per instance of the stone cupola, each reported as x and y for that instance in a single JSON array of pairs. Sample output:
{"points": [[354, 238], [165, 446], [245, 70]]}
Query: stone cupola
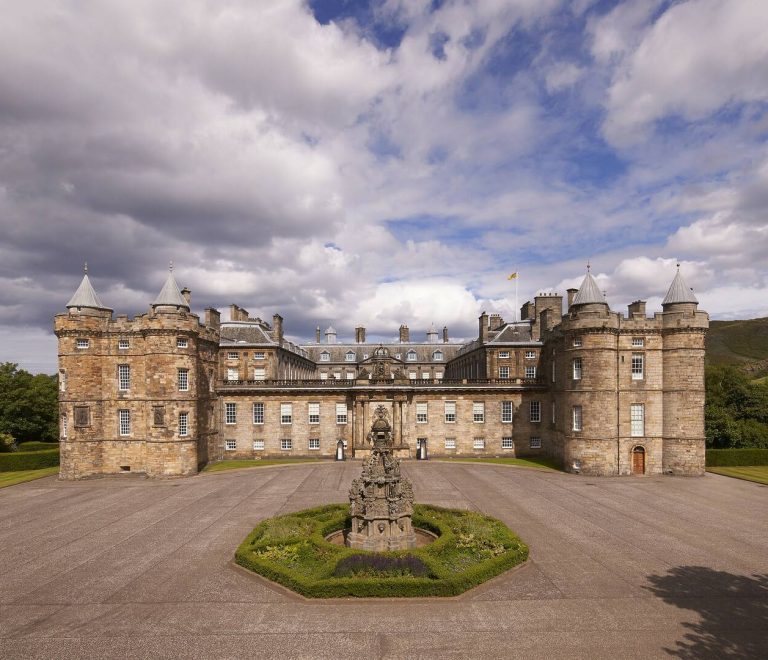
{"points": [[85, 300]]}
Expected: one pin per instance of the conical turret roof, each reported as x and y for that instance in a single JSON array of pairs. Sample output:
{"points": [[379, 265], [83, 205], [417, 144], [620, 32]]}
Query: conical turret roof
{"points": [[679, 291], [589, 292], [85, 296], [170, 294]]}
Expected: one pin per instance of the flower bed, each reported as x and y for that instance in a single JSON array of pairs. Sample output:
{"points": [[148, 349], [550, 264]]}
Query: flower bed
{"points": [[291, 550]]}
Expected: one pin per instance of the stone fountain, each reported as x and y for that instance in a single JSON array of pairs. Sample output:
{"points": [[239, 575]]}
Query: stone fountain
{"points": [[380, 500]]}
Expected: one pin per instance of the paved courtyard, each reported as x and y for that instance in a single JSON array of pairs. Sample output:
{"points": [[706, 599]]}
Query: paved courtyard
{"points": [[629, 567]]}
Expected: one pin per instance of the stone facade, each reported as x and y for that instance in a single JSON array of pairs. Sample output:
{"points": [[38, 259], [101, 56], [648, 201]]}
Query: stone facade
{"points": [[164, 393]]}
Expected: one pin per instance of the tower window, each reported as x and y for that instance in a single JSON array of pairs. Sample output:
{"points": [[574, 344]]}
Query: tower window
{"points": [[183, 424], [123, 377], [577, 418], [122, 344], [125, 422], [637, 366], [183, 378], [506, 411], [535, 411], [83, 343], [182, 342]]}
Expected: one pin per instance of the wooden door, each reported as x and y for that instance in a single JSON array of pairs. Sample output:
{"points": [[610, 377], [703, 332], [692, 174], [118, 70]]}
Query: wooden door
{"points": [[638, 460]]}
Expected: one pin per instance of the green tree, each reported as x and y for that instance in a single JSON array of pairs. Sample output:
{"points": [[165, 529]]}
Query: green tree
{"points": [[28, 404], [736, 413]]}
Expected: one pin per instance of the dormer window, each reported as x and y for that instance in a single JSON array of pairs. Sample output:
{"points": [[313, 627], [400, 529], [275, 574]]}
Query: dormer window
{"points": [[325, 356], [437, 356], [350, 356], [411, 356]]}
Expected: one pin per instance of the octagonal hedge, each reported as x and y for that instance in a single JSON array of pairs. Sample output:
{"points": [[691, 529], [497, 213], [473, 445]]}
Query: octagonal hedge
{"points": [[292, 551]]}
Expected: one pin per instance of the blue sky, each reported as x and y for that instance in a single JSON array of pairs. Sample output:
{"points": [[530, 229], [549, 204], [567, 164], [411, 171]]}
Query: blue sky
{"points": [[379, 162]]}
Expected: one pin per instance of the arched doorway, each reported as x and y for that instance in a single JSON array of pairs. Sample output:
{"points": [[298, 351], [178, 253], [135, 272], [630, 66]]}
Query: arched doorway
{"points": [[638, 460]]}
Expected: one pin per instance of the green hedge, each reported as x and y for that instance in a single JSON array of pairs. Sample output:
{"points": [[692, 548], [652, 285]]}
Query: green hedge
{"points": [[292, 551], [29, 460], [735, 457]]}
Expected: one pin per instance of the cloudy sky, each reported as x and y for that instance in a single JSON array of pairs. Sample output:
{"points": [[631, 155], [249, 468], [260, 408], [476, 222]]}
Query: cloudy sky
{"points": [[378, 162]]}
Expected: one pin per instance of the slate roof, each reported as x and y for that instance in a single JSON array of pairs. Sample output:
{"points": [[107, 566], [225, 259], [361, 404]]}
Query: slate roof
{"points": [[589, 292], [679, 291], [424, 351], [85, 296], [170, 294], [244, 333], [512, 333]]}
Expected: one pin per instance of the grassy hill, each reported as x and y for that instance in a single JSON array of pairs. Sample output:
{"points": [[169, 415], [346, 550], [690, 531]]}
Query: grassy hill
{"points": [[739, 343]]}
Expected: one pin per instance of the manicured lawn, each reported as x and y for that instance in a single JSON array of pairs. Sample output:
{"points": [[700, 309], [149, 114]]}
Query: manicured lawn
{"points": [[541, 463], [11, 478], [757, 473], [220, 466]]}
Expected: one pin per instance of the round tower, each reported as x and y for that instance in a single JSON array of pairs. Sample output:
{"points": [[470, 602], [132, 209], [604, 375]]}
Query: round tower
{"points": [[683, 331], [587, 365]]}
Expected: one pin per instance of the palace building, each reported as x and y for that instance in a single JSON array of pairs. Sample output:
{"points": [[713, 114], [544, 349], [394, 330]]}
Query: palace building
{"points": [[598, 391]]}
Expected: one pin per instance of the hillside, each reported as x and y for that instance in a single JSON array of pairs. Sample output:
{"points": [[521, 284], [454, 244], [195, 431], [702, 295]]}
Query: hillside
{"points": [[739, 343]]}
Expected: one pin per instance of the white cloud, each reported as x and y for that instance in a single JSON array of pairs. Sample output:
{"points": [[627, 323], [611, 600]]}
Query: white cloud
{"points": [[697, 57]]}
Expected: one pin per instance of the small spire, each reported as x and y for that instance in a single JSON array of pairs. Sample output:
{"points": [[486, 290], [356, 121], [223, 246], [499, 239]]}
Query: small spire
{"points": [[679, 291], [589, 292], [85, 268], [170, 265], [170, 296], [588, 266], [85, 296]]}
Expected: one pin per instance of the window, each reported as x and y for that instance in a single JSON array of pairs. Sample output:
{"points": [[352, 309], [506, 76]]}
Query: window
{"points": [[350, 375], [62, 380], [258, 445], [82, 416], [535, 411], [232, 355], [258, 355], [638, 341], [64, 426], [258, 412], [286, 444], [183, 423], [323, 375], [530, 355], [123, 377], [576, 368], [182, 342], [233, 373], [637, 366], [412, 375], [554, 368], [530, 372], [450, 443], [125, 422], [506, 411], [577, 342], [286, 413], [259, 373], [230, 445], [534, 442], [421, 413], [314, 443], [478, 412], [337, 375], [83, 343], [314, 413], [504, 354], [450, 412], [122, 344], [350, 356], [411, 356], [158, 416], [438, 375], [437, 356], [325, 356], [397, 356], [504, 372], [577, 418], [478, 443], [507, 443], [341, 413], [637, 420], [183, 379], [230, 413], [554, 415]]}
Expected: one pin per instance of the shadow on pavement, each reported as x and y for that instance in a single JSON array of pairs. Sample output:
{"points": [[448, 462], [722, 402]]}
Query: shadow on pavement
{"points": [[733, 611]]}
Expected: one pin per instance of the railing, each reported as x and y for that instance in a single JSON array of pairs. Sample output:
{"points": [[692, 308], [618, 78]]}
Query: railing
{"points": [[379, 382]]}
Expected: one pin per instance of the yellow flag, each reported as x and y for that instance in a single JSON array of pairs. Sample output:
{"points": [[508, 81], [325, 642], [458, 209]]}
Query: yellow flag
{"points": [[513, 276]]}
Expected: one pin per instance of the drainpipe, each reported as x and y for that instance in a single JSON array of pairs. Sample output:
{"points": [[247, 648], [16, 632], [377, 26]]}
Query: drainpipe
{"points": [[618, 411]]}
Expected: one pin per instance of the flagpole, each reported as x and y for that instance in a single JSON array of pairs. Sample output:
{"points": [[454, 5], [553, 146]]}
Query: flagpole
{"points": [[516, 305]]}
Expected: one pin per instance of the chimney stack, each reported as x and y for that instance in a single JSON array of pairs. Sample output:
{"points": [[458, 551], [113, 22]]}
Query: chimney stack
{"points": [[637, 308], [445, 334], [483, 329], [571, 295], [360, 334], [317, 334], [405, 335], [277, 327], [212, 318]]}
